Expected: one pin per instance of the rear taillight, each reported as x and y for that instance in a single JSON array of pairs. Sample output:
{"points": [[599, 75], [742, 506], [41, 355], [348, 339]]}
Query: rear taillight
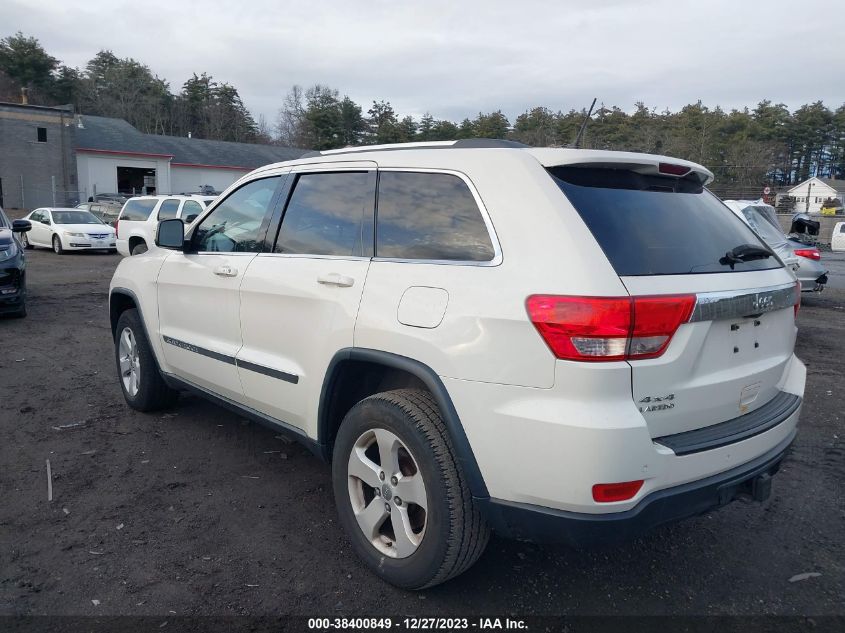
{"points": [[797, 297], [116, 222], [605, 493], [809, 253], [608, 328]]}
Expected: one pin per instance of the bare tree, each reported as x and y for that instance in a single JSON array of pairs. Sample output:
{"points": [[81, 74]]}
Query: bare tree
{"points": [[291, 123]]}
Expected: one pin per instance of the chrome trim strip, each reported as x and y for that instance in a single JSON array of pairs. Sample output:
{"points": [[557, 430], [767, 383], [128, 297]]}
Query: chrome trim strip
{"points": [[735, 304]]}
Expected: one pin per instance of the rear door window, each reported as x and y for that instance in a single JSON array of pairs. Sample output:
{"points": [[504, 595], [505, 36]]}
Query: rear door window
{"points": [[325, 215], [168, 209], [190, 211], [429, 216], [658, 225], [138, 210]]}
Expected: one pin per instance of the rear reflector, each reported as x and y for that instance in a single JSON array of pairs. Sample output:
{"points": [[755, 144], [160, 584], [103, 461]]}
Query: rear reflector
{"points": [[605, 493], [809, 253], [673, 170], [797, 297], [608, 328]]}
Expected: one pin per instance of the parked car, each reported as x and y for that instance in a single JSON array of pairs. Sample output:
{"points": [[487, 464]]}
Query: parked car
{"points": [[553, 344], [803, 259], [66, 230], [137, 222], [12, 266], [837, 240], [106, 211]]}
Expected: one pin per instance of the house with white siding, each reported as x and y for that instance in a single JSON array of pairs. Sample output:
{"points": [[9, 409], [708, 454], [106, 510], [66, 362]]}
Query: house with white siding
{"points": [[811, 194]]}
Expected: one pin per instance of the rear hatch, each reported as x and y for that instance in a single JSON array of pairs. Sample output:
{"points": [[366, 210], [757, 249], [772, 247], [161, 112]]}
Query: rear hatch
{"points": [[730, 296]]}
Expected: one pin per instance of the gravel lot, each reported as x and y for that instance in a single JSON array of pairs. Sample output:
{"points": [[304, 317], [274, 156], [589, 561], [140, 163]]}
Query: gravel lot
{"points": [[197, 512]]}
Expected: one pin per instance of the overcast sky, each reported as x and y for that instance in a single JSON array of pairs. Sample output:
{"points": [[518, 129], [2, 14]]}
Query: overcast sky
{"points": [[455, 58]]}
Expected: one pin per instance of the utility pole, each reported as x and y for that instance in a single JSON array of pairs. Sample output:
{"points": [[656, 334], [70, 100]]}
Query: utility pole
{"points": [[807, 203]]}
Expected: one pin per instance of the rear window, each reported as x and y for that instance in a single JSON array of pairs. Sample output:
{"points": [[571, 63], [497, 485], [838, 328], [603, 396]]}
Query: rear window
{"points": [[658, 225], [137, 210]]}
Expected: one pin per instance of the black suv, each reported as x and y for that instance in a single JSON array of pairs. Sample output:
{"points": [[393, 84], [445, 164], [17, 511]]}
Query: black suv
{"points": [[12, 266]]}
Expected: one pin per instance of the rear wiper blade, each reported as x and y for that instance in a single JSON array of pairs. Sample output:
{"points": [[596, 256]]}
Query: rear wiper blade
{"points": [[744, 253]]}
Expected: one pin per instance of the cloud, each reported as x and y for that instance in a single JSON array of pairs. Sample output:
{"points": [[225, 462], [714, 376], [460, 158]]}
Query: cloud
{"points": [[456, 59]]}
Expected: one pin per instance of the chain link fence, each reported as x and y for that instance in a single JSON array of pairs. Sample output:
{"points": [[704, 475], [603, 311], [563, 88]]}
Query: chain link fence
{"points": [[19, 193]]}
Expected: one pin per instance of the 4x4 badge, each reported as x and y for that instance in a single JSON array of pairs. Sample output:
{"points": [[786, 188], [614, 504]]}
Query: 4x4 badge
{"points": [[657, 403]]}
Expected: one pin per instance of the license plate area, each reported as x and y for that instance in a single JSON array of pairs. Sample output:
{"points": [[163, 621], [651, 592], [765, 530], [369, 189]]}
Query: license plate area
{"points": [[746, 337]]}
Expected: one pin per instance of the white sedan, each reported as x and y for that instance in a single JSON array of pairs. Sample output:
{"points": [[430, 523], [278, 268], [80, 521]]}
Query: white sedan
{"points": [[69, 230]]}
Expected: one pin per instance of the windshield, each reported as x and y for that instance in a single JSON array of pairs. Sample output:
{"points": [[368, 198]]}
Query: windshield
{"points": [[75, 217], [4, 221], [659, 225]]}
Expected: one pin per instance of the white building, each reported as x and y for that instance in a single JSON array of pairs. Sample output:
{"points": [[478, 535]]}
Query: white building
{"points": [[114, 157], [810, 194]]}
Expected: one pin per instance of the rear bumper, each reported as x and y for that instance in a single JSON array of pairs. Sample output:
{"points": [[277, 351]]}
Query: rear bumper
{"points": [[536, 523], [814, 284]]}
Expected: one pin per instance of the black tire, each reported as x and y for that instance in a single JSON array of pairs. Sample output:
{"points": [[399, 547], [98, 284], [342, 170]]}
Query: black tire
{"points": [[57, 245], [20, 313], [455, 532], [153, 393], [26, 243], [139, 249]]}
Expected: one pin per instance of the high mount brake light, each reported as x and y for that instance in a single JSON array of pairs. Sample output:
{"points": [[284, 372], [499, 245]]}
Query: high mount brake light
{"points": [[673, 169], [608, 328]]}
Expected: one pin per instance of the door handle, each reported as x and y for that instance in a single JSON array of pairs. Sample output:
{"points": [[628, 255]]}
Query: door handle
{"points": [[334, 279], [226, 271]]}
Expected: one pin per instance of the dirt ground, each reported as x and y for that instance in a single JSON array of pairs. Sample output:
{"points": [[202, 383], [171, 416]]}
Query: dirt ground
{"points": [[197, 512]]}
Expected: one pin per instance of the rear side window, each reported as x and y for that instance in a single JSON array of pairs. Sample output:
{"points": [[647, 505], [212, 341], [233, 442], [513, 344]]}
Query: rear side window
{"points": [[168, 209], [325, 215], [429, 216], [137, 210], [658, 225]]}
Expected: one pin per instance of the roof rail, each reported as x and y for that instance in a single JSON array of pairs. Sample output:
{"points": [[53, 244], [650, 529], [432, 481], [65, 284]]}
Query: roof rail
{"points": [[488, 143]]}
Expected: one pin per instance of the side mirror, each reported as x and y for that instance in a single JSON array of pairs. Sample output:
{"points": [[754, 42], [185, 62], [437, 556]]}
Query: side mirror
{"points": [[21, 226], [46, 221], [171, 234]]}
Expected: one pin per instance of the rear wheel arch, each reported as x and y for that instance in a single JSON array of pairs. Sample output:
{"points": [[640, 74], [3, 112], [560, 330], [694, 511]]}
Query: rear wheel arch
{"points": [[357, 373], [136, 241]]}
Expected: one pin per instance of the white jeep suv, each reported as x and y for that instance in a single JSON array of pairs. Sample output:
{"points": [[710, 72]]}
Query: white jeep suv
{"points": [[554, 344], [139, 217]]}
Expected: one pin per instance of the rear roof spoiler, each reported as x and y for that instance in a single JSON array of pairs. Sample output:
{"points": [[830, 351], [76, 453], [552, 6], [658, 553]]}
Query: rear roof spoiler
{"points": [[651, 164]]}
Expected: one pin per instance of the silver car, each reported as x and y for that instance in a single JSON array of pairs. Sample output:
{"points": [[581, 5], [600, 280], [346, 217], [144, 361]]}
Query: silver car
{"points": [[803, 259]]}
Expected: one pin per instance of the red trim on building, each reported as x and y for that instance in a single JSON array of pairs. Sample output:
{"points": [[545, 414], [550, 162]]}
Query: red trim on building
{"points": [[200, 165], [116, 153]]}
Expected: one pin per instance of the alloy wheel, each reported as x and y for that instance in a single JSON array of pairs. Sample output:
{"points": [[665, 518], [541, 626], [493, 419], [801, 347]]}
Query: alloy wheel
{"points": [[387, 493], [130, 364]]}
